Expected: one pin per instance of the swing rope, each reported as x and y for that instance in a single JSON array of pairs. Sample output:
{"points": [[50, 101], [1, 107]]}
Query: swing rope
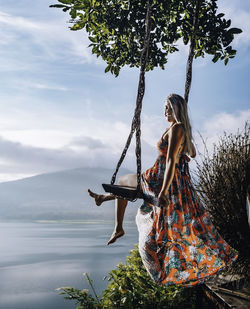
{"points": [[191, 51], [136, 122]]}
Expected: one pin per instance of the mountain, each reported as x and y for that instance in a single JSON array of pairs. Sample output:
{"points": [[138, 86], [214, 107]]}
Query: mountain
{"points": [[59, 196]]}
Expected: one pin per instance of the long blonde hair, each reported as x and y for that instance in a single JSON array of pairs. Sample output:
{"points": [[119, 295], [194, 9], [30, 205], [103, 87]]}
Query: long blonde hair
{"points": [[182, 117]]}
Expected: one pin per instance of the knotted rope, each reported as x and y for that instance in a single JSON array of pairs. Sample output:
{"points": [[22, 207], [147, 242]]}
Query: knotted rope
{"points": [[136, 122]]}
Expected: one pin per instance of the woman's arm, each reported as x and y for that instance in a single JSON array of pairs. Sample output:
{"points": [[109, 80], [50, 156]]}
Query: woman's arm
{"points": [[176, 137]]}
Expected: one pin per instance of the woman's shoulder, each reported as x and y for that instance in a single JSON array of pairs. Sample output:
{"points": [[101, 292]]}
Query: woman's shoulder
{"points": [[177, 129]]}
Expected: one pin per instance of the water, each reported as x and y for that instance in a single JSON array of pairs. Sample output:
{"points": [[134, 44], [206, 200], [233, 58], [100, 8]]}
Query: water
{"points": [[38, 257]]}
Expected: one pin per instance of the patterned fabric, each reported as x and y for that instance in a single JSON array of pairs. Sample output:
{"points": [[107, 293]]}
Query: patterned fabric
{"points": [[178, 244]]}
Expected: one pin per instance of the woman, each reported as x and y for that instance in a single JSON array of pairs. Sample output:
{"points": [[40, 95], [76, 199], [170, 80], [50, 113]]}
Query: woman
{"points": [[177, 240]]}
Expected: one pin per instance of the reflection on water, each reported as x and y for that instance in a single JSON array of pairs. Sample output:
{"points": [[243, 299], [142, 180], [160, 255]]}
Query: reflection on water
{"points": [[38, 257]]}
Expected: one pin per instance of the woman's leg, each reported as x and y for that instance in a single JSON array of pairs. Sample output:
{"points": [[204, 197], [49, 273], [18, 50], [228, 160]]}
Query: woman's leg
{"points": [[100, 198], [129, 180], [120, 207]]}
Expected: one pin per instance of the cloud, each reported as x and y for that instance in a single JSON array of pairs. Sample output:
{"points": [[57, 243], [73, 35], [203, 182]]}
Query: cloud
{"points": [[53, 38], [20, 22], [102, 145], [18, 159], [87, 142], [215, 127], [229, 122], [47, 87]]}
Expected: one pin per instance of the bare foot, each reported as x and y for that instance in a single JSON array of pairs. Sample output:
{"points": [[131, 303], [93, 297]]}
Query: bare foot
{"points": [[115, 235], [99, 198]]}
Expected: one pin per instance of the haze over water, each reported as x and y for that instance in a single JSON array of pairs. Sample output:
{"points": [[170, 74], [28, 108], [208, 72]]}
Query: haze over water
{"points": [[38, 257]]}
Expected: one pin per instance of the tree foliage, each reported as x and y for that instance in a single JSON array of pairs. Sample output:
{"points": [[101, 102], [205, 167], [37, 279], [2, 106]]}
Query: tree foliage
{"points": [[116, 30]]}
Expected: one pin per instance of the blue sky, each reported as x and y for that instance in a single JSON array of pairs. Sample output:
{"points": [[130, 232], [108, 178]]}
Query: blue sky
{"points": [[59, 110]]}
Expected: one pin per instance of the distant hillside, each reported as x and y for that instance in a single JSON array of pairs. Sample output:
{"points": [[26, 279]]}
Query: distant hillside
{"points": [[60, 195]]}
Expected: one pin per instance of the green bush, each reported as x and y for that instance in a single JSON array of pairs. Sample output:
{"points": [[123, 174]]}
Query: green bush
{"points": [[223, 181], [131, 287]]}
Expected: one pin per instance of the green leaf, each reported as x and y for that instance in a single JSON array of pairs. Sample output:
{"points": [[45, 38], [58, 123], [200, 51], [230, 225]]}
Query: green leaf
{"points": [[220, 15], [229, 23], [76, 27], [108, 68], [216, 57], [66, 9], [185, 40], [73, 13], [65, 1], [57, 6], [235, 30], [93, 39]]}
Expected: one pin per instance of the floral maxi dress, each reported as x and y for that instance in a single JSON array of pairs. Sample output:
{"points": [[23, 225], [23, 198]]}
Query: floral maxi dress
{"points": [[178, 244]]}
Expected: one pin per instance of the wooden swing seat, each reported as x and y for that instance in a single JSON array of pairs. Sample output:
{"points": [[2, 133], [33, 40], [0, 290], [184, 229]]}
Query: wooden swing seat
{"points": [[128, 193]]}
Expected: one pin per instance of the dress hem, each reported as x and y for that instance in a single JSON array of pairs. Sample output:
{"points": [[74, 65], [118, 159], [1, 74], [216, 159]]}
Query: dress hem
{"points": [[193, 282]]}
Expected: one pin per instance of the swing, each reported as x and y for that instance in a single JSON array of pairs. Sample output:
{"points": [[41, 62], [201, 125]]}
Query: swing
{"points": [[132, 194], [128, 193]]}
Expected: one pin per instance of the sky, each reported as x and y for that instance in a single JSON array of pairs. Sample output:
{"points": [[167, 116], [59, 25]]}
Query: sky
{"points": [[59, 110]]}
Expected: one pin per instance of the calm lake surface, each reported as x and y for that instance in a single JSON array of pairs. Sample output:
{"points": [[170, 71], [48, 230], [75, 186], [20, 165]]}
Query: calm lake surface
{"points": [[38, 257]]}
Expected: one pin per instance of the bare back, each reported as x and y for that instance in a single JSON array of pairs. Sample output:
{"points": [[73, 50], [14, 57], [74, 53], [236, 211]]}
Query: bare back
{"points": [[180, 150]]}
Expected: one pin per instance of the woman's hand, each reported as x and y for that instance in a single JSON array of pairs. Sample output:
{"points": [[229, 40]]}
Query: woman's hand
{"points": [[163, 200]]}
